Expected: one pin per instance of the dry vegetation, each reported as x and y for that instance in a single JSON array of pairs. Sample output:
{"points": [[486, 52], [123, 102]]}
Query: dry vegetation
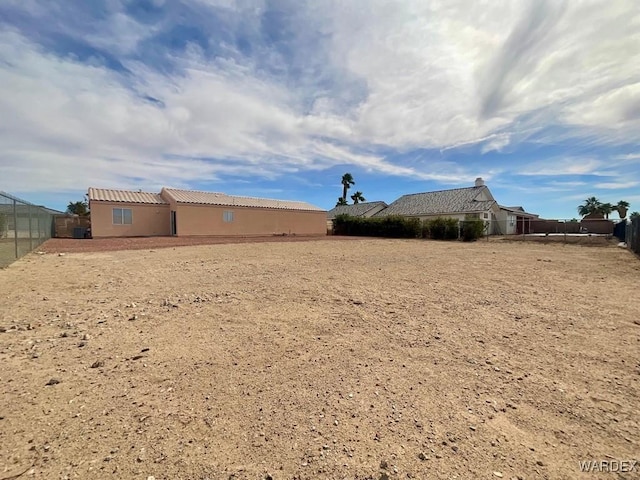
{"points": [[359, 359]]}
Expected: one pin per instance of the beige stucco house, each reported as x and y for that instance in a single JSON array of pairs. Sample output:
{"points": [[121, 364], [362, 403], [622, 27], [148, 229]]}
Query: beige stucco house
{"points": [[119, 213]]}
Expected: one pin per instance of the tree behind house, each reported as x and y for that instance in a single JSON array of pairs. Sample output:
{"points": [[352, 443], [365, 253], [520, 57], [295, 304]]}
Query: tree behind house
{"points": [[357, 198], [78, 208], [347, 181]]}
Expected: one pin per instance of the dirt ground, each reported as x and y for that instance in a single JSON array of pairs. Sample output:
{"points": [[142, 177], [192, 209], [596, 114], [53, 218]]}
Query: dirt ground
{"points": [[64, 245], [320, 359]]}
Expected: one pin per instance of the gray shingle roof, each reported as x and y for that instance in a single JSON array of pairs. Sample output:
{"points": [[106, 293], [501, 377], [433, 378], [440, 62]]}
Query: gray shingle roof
{"points": [[512, 209], [443, 202], [357, 210]]}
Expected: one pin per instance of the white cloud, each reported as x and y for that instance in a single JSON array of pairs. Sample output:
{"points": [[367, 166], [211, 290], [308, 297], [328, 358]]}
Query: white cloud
{"points": [[565, 166], [496, 142], [453, 73], [371, 77], [616, 185]]}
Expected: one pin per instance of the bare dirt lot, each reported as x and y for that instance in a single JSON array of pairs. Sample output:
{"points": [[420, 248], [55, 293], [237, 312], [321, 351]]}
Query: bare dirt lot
{"points": [[360, 359], [68, 245]]}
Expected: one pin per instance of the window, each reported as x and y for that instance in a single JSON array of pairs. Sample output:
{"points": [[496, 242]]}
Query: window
{"points": [[486, 215], [227, 216], [122, 216]]}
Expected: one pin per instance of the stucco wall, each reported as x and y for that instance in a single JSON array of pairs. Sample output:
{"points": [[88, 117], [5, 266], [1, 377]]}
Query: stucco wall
{"points": [[199, 220], [147, 220], [507, 221]]}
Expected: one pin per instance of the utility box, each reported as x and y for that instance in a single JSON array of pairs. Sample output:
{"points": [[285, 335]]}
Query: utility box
{"points": [[80, 232]]}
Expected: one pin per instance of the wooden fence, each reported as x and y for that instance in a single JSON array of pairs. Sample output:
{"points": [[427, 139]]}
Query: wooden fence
{"points": [[64, 225]]}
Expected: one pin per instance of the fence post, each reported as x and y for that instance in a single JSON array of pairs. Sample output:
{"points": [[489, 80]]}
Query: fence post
{"points": [[30, 228], [15, 227]]}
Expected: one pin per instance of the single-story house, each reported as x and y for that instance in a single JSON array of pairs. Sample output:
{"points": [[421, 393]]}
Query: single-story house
{"points": [[515, 220], [119, 213], [458, 203]]}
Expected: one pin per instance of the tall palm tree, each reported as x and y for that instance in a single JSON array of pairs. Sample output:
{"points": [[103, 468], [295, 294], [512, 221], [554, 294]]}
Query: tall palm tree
{"points": [[590, 205], [357, 198], [606, 209], [634, 215], [622, 207], [341, 201], [347, 181]]}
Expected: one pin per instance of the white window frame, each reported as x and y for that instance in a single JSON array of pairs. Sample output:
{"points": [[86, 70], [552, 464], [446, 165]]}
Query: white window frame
{"points": [[485, 215], [227, 216], [122, 219]]}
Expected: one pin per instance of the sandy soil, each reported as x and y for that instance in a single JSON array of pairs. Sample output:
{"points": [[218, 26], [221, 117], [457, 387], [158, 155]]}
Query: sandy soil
{"points": [[69, 245], [360, 359]]}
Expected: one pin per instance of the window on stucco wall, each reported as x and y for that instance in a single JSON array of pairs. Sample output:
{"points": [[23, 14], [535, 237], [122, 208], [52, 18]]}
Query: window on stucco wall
{"points": [[122, 216], [227, 216]]}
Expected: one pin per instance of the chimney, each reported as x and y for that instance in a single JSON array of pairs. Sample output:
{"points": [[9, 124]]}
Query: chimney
{"points": [[479, 182]]}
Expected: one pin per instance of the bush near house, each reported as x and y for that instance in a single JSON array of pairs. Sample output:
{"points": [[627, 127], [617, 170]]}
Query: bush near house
{"points": [[390, 227], [471, 229], [442, 228]]}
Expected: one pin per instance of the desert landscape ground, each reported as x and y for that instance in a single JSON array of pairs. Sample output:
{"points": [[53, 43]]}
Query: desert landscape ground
{"points": [[358, 359]]}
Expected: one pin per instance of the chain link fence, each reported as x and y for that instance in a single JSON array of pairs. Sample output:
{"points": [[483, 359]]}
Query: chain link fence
{"points": [[586, 231], [23, 226]]}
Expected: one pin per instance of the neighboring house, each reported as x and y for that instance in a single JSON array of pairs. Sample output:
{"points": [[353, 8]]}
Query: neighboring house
{"points": [[515, 220], [118, 213], [364, 209], [459, 203]]}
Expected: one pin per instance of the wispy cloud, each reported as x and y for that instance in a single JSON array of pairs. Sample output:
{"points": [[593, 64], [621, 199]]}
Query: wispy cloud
{"points": [[565, 166], [616, 185]]}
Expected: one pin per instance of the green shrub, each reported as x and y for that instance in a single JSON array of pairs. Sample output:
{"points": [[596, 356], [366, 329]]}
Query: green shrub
{"points": [[471, 229], [452, 229], [392, 226], [437, 228], [441, 228], [425, 231]]}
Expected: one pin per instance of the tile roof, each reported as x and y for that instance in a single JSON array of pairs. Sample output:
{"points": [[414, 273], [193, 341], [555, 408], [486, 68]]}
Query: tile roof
{"points": [[124, 196], [356, 210], [213, 198], [457, 200]]}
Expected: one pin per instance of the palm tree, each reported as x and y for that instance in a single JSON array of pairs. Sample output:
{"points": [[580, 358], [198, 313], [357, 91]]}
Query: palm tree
{"points": [[357, 198], [78, 208], [606, 209], [341, 201], [591, 205], [347, 181], [634, 215], [622, 207]]}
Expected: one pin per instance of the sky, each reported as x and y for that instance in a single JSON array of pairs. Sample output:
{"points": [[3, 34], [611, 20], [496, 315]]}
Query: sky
{"points": [[280, 98]]}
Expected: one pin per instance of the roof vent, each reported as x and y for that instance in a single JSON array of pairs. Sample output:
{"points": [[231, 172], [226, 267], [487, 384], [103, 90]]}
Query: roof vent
{"points": [[479, 182]]}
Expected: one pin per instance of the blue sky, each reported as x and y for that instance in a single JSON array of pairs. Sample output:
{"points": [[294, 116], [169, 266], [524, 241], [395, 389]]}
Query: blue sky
{"points": [[280, 98]]}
